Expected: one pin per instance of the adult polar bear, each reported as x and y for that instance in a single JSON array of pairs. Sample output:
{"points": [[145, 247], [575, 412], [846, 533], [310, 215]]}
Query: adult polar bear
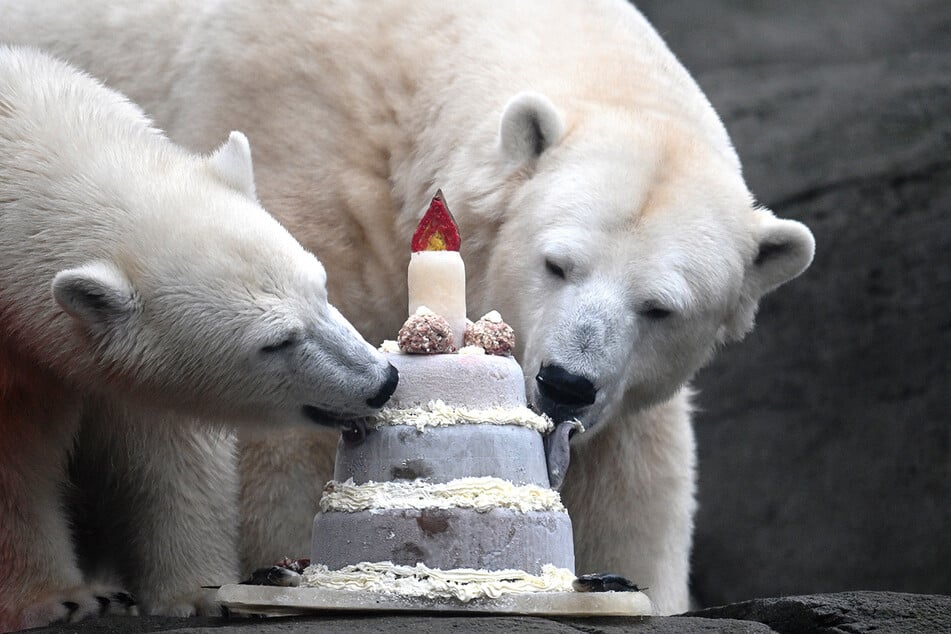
{"points": [[600, 201], [135, 275]]}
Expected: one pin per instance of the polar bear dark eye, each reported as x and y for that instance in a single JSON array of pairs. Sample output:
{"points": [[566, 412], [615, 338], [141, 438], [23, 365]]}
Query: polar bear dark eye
{"points": [[554, 269], [655, 313], [277, 347]]}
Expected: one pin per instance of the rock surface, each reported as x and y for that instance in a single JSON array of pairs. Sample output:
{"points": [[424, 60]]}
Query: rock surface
{"points": [[825, 447], [854, 612], [421, 624]]}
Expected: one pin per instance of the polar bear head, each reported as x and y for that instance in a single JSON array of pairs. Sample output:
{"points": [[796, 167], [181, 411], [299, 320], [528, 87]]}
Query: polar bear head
{"points": [[203, 301], [637, 249]]}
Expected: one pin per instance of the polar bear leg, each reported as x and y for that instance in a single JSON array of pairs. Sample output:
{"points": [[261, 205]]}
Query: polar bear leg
{"points": [[172, 513], [282, 475], [41, 582], [630, 493]]}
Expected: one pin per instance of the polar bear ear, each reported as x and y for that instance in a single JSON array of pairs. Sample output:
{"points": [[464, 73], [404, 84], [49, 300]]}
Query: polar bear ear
{"points": [[785, 249], [96, 294], [530, 125], [232, 163]]}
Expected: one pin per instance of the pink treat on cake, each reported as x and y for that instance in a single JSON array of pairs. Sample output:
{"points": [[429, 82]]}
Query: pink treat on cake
{"points": [[491, 334], [425, 332]]}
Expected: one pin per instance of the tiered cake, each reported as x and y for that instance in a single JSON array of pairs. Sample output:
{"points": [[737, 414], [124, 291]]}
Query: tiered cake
{"points": [[448, 492], [453, 476], [443, 500]]}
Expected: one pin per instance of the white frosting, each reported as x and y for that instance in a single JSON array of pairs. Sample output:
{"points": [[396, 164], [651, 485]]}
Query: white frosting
{"points": [[481, 494], [438, 414], [390, 345], [463, 584], [493, 316]]}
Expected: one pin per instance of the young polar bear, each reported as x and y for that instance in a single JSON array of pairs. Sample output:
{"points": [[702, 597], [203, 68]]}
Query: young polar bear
{"points": [[141, 288], [600, 201]]}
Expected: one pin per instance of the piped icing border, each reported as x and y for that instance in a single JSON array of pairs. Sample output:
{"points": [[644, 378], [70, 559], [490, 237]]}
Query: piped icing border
{"points": [[481, 494], [463, 584], [438, 414]]}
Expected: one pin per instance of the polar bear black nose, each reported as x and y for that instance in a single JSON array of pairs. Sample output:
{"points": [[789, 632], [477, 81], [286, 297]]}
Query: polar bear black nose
{"points": [[392, 378], [563, 387]]}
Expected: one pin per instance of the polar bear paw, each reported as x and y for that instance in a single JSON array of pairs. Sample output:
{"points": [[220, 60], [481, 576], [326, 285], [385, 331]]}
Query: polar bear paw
{"points": [[201, 602], [77, 603]]}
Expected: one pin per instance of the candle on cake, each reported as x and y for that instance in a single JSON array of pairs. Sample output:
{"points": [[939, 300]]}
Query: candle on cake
{"points": [[437, 275]]}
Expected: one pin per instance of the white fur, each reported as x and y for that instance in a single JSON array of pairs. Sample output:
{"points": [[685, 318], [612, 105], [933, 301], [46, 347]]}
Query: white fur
{"points": [[530, 125], [138, 285], [561, 129], [233, 164]]}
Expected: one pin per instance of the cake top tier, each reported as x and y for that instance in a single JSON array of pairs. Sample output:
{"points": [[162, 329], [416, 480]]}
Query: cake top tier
{"points": [[474, 381]]}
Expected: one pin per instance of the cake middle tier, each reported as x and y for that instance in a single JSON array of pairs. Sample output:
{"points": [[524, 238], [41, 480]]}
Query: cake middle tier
{"points": [[440, 454]]}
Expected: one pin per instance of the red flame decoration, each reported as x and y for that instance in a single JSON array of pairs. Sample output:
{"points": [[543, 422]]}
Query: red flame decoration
{"points": [[437, 231]]}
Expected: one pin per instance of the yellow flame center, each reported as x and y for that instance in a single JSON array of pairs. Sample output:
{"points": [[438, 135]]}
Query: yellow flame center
{"points": [[436, 242]]}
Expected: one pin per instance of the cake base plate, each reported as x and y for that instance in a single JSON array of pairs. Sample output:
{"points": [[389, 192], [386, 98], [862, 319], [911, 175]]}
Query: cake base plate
{"points": [[279, 601]]}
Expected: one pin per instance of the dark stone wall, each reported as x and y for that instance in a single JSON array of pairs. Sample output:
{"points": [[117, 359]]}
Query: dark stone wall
{"points": [[825, 441]]}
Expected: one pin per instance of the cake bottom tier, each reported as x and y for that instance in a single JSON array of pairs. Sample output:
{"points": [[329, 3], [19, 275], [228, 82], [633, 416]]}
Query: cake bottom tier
{"points": [[498, 539]]}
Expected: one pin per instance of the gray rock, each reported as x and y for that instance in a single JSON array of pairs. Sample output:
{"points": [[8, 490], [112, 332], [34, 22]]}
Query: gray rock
{"points": [[833, 613], [423, 624], [716, 34], [825, 449], [678, 624], [853, 612]]}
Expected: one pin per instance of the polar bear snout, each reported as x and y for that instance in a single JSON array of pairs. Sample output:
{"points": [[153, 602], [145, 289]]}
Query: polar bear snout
{"points": [[354, 391], [562, 394], [565, 388], [386, 391]]}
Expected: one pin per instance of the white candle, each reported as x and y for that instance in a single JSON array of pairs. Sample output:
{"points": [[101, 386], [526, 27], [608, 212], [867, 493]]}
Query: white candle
{"points": [[436, 277], [437, 280]]}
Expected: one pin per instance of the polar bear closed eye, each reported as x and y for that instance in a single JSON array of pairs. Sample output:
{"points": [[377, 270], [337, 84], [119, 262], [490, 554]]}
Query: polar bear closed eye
{"points": [[146, 298]]}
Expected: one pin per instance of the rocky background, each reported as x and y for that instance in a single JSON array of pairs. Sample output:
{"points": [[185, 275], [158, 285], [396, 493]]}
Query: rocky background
{"points": [[825, 437]]}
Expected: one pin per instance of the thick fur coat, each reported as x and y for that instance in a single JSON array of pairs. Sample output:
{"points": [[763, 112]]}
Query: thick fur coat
{"points": [[145, 299]]}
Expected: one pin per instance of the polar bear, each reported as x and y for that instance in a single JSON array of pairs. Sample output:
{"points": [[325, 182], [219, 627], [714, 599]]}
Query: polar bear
{"points": [[142, 289], [600, 200]]}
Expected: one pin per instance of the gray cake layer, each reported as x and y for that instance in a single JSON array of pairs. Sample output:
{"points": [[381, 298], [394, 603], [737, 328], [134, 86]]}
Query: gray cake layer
{"points": [[441, 454], [498, 539], [461, 380]]}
